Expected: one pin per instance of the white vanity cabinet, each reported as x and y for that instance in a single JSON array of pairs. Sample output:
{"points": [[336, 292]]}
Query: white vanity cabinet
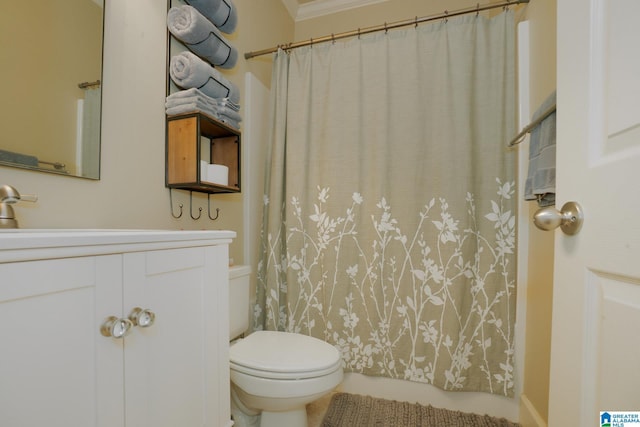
{"points": [[57, 367]]}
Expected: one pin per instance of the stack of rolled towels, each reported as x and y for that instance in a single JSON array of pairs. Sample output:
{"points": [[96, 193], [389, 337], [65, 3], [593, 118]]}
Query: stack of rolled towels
{"points": [[199, 25], [186, 101]]}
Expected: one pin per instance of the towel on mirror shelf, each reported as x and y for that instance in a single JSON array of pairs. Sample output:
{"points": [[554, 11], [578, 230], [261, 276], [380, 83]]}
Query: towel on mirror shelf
{"points": [[200, 36], [222, 13], [541, 178], [18, 158], [189, 71]]}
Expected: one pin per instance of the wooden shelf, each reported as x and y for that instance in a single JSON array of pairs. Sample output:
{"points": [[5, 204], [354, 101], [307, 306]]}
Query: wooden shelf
{"points": [[193, 137]]}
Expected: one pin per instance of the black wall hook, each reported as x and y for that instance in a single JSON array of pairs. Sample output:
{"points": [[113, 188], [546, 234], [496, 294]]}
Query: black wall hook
{"points": [[209, 205], [191, 211], [171, 206], [191, 207]]}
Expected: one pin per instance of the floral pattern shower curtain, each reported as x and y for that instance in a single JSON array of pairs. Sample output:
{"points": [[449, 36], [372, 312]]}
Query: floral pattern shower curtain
{"points": [[389, 213]]}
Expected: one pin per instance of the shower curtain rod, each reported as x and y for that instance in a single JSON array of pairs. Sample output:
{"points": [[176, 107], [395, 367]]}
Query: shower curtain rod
{"points": [[384, 27]]}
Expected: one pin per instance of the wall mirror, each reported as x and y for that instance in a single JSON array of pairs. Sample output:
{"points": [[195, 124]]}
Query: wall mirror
{"points": [[51, 56]]}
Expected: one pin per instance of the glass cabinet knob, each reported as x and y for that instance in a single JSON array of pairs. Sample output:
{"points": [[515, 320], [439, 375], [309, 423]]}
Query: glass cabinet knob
{"points": [[114, 327], [142, 317]]}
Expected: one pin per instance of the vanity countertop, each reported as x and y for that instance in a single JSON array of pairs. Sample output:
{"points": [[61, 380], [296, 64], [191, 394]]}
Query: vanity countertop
{"points": [[30, 244]]}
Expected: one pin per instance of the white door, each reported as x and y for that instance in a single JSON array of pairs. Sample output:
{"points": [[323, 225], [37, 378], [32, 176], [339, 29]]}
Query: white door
{"points": [[595, 347]]}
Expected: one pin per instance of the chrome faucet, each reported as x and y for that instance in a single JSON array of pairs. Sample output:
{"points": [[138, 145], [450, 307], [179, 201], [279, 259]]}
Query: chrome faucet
{"points": [[9, 196]]}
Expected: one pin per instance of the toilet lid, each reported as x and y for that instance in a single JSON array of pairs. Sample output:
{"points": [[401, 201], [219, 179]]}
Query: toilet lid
{"points": [[284, 353]]}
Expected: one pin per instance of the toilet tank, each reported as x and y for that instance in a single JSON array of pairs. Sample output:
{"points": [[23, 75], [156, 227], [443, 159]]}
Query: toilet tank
{"points": [[239, 283]]}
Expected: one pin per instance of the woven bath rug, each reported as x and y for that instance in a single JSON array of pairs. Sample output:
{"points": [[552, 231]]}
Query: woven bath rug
{"points": [[352, 410]]}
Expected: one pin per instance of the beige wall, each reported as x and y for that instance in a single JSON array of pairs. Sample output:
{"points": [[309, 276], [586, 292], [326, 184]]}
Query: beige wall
{"points": [[377, 14], [131, 192], [542, 17]]}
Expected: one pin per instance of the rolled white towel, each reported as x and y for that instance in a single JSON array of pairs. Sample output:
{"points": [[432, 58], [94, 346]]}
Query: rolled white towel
{"points": [[188, 93], [189, 71], [222, 13], [201, 36], [205, 102]]}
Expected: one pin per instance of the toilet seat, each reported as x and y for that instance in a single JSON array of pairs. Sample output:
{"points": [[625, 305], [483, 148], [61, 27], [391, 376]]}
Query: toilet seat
{"points": [[284, 356]]}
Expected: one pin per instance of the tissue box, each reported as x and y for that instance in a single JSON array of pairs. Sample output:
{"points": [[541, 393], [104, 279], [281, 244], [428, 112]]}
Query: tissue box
{"points": [[204, 168], [218, 174]]}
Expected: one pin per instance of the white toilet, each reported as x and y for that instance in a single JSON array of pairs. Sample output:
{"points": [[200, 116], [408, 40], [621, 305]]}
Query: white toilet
{"points": [[275, 374]]}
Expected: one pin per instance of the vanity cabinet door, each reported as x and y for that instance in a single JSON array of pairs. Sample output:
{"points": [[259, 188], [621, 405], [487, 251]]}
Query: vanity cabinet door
{"points": [[176, 369], [56, 370]]}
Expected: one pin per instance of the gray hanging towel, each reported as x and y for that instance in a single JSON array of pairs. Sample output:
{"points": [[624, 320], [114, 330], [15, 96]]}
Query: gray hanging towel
{"points": [[541, 179]]}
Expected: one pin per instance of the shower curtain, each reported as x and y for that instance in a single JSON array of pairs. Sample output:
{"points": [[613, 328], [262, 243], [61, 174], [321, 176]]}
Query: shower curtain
{"points": [[389, 222]]}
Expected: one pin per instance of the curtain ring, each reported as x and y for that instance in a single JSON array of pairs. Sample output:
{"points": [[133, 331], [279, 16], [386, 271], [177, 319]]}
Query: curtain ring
{"points": [[311, 41], [477, 9], [333, 39], [358, 33], [385, 28], [416, 24], [446, 14]]}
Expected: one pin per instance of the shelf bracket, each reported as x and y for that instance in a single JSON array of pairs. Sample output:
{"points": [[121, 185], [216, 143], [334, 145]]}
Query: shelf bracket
{"points": [[217, 209], [171, 206], [191, 207]]}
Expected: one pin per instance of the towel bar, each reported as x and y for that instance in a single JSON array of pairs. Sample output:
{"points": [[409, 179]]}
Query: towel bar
{"points": [[520, 137]]}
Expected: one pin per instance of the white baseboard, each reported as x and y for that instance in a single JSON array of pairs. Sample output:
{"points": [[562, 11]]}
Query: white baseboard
{"points": [[529, 416]]}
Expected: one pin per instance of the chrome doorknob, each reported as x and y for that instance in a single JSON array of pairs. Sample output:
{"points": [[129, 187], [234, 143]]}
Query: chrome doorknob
{"points": [[142, 317], [569, 218], [114, 327]]}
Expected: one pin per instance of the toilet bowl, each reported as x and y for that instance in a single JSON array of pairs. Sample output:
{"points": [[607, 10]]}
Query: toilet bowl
{"points": [[279, 373], [274, 375]]}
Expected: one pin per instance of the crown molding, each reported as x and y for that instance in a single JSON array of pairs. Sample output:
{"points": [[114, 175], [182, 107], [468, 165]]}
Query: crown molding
{"points": [[317, 8], [292, 7]]}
